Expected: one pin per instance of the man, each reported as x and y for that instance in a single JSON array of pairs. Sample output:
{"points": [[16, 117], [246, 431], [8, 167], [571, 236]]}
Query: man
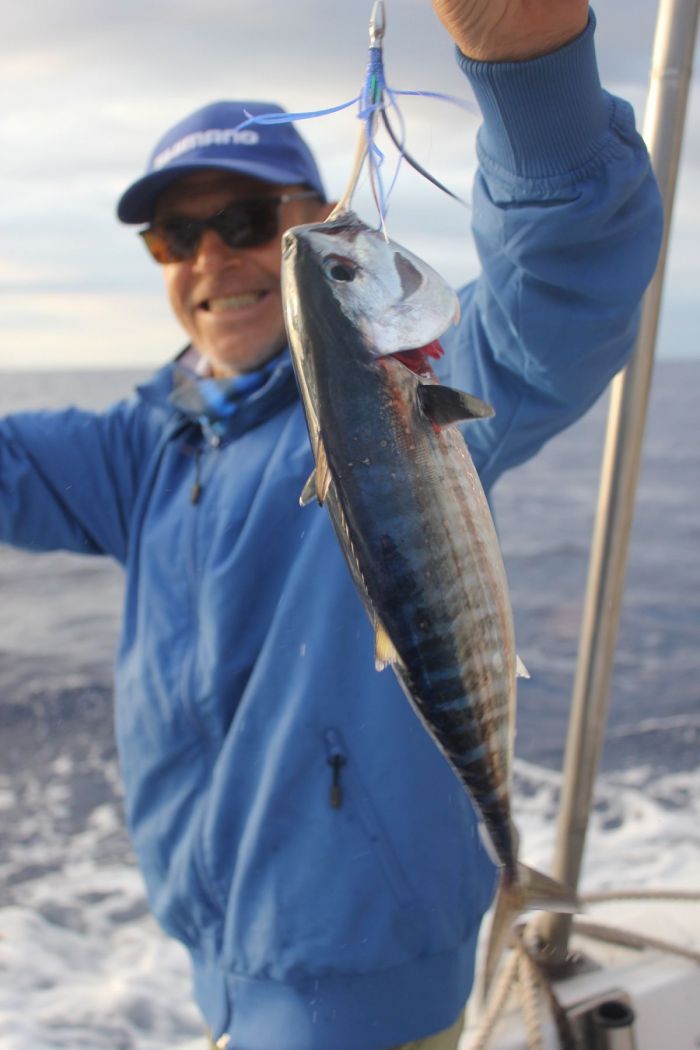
{"points": [[296, 827]]}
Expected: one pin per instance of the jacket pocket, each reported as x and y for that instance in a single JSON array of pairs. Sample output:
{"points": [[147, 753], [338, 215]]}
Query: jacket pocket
{"points": [[347, 789]]}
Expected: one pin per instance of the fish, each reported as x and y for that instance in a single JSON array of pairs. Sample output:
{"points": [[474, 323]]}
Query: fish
{"points": [[364, 316]]}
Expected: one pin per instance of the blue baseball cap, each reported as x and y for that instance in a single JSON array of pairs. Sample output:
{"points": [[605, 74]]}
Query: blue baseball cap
{"points": [[212, 138]]}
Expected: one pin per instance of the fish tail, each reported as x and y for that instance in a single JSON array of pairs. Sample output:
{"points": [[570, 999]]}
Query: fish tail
{"points": [[543, 893], [530, 891]]}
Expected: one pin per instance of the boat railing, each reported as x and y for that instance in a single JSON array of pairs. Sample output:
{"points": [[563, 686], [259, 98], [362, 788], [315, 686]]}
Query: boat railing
{"points": [[672, 59]]}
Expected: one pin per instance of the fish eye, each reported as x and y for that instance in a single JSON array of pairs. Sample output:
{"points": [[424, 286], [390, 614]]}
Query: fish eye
{"points": [[339, 268]]}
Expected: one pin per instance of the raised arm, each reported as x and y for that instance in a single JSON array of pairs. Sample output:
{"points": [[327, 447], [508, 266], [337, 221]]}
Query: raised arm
{"points": [[567, 222]]}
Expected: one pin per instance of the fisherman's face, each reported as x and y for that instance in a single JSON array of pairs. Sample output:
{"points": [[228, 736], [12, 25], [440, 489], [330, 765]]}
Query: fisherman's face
{"points": [[229, 300]]}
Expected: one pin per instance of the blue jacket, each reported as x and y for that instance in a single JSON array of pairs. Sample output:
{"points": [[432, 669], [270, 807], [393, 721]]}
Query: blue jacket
{"points": [[296, 827]]}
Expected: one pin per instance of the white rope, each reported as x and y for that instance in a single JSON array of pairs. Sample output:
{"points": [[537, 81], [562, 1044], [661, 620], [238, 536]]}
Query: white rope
{"points": [[529, 1000], [523, 976], [641, 895], [628, 939], [496, 1003], [523, 973], [562, 1023]]}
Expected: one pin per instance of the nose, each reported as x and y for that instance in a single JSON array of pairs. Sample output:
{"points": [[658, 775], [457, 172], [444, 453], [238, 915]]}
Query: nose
{"points": [[212, 252]]}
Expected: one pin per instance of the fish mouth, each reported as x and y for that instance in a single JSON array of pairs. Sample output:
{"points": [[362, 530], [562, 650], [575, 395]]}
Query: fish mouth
{"points": [[289, 242]]}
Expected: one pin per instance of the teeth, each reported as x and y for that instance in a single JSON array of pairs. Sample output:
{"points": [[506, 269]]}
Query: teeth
{"points": [[233, 302]]}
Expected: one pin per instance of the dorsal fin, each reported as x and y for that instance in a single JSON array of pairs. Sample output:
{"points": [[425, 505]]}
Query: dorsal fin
{"points": [[443, 405]]}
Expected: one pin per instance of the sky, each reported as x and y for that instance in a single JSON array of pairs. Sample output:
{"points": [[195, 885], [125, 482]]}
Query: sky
{"points": [[87, 88]]}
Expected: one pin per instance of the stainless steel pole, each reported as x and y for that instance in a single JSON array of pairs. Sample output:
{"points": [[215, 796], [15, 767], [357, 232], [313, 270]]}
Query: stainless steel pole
{"points": [[674, 43]]}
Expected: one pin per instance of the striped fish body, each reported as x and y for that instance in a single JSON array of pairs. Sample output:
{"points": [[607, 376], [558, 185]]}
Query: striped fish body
{"points": [[410, 515]]}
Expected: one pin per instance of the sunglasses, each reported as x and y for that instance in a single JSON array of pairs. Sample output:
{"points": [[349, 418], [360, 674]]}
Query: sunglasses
{"points": [[241, 224]]}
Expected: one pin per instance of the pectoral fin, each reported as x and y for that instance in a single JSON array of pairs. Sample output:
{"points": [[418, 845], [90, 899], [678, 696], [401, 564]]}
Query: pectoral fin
{"points": [[443, 405]]}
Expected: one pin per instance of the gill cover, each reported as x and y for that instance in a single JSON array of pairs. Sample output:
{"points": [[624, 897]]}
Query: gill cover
{"points": [[394, 299]]}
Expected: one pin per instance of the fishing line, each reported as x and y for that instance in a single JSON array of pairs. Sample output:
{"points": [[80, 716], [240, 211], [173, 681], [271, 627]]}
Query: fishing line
{"points": [[400, 141], [414, 163], [288, 118], [374, 100]]}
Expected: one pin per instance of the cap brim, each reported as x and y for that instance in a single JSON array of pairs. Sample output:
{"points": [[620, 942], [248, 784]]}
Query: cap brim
{"points": [[137, 204]]}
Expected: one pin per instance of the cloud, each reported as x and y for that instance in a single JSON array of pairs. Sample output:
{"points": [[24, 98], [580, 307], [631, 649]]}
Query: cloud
{"points": [[91, 86]]}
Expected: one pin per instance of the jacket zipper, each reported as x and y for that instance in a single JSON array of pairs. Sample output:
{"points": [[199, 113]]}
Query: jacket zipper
{"points": [[214, 441], [196, 490], [336, 760]]}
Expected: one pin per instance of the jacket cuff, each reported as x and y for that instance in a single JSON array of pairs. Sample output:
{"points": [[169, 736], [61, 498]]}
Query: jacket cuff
{"points": [[545, 116]]}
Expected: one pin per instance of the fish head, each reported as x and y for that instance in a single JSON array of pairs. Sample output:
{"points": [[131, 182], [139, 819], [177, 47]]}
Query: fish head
{"points": [[393, 299]]}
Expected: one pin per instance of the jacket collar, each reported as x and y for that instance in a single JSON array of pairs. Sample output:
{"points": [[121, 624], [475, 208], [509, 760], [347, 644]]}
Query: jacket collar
{"points": [[223, 408]]}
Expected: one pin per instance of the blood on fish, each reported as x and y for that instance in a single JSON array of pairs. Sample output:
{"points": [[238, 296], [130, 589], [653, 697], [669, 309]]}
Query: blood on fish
{"points": [[434, 349], [418, 360]]}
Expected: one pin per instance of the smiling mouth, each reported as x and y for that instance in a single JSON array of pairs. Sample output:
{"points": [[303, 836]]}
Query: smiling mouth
{"points": [[232, 302]]}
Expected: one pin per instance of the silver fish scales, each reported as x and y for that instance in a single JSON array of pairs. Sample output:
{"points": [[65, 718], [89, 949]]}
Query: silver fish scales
{"points": [[409, 511]]}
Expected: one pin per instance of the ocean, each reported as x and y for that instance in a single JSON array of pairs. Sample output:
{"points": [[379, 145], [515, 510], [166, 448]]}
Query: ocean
{"points": [[83, 965]]}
